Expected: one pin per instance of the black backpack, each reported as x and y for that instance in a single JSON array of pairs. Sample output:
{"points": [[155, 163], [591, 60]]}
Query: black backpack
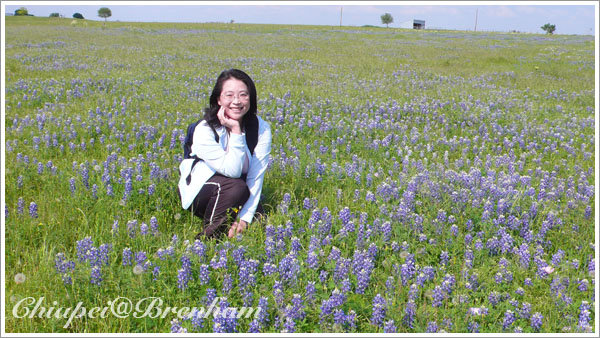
{"points": [[251, 129]]}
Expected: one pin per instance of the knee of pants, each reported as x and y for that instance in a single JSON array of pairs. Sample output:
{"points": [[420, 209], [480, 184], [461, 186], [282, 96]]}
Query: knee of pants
{"points": [[240, 189]]}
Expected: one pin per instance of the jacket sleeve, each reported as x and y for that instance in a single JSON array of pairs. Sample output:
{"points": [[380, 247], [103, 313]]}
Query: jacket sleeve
{"points": [[227, 163], [256, 171]]}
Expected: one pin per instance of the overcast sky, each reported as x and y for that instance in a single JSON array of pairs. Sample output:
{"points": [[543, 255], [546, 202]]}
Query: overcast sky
{"points": [[569, 18]]}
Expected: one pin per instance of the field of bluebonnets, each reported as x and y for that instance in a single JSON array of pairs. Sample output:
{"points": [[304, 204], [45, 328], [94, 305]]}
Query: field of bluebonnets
{"points": [[420, 181]]}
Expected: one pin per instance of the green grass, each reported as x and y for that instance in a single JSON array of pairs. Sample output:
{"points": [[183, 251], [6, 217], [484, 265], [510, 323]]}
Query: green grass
{"points": [[447, 102]]}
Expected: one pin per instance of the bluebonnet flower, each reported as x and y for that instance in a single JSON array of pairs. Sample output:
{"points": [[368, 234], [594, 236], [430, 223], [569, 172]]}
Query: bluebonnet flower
{"points": [[144, 229], [227, 283], [323, 274], [269, 269], [96, 275], [289, 326], [498, 278], [509, 319], [312, 260], [370, 197], [536, 321], [151, 189], [219, 260], [410, 311], [389, 326], [444, 257], [386, 228], [33, 210], [289, 268], [334, 254], [454, 230], [63, 267], [154, 225], [254, 327], [525, 311], [413, 292], [344, 215], [557, 257], [20, 205], [310, 291], [494, 298], [163, 253], [389, 285], [379, 310], [438, 296], [295, 311], [339, 318], [306, 204], [209, 298], [204, 274], [127, 257], [176, 327], [363, 279], [278, 292], [582, 285], [575, 263], [72, 185], [131, 228], [197, 248], [85, 176], [342, 269], [141, 257], [473, 327], [183, 277], [328, 306], [524, 256], [225, 321], [432, 327]]}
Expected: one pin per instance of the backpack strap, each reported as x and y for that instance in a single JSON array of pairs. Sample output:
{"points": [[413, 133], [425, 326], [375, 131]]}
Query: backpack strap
{"points": [[251, 127], [188, 147]]}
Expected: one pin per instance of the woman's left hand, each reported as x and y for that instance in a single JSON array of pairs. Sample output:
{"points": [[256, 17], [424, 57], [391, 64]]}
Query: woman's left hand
{"points": [[237, 227]]}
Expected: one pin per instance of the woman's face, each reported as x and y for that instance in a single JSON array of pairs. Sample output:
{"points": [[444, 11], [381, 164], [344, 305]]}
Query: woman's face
{"points": [[235, 98]]}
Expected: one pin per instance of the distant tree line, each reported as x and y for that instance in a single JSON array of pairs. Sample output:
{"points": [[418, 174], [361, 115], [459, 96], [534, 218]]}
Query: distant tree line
{"points": [[22, 12]]}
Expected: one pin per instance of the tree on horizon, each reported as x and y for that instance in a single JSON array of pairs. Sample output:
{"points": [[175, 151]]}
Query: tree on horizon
{"points": [[105, 13], [387, 19], [549, 28]]}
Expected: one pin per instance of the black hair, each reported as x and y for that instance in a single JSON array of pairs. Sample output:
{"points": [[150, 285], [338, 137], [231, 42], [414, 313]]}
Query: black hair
{"points": [[210, 112]]}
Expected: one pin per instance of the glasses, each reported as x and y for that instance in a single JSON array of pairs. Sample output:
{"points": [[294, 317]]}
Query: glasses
{"points": [[229, 97]]}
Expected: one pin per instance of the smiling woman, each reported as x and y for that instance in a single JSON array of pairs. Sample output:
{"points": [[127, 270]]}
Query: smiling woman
{"points": [[228, 156]]}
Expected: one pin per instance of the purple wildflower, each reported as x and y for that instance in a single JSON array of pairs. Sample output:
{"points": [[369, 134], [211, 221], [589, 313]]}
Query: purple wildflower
{"points": [[204, 274], [389, 326], [432, 327], [536, 321], [379, 310], [509, 319], [410, 311], [96, 275], [33, 210]]}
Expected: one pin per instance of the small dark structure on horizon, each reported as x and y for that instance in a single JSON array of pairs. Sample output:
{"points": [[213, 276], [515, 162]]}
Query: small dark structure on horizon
{"points": [[413, 24]]}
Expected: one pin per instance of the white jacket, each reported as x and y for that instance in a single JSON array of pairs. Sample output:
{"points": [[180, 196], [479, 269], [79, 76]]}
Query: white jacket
{"points": [[215, 159]]}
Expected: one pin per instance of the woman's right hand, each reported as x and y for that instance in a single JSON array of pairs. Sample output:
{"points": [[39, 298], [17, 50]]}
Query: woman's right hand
{"points": [[227, 122]]}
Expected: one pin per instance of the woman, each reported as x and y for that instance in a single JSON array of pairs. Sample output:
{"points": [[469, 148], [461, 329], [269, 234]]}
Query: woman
{"points": [[234, 146]]}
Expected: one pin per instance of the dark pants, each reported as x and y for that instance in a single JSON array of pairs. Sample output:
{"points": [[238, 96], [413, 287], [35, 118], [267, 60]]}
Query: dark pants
{"points": [[216, 201]]}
